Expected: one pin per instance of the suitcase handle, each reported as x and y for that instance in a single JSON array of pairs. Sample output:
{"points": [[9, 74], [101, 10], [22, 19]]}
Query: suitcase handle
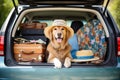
{"points": [[28, 53], [34, 59]]}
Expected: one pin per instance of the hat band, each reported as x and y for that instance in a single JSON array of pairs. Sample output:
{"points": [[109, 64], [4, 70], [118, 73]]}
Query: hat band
{"points": [[85, 57]]}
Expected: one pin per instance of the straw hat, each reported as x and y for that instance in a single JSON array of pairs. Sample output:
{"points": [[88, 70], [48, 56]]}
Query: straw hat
{"points": [[85, 56], [58, 22]]}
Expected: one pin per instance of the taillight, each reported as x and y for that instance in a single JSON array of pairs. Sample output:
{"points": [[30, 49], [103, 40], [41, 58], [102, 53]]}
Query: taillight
{"points": [[1, 45], [118, 42]]}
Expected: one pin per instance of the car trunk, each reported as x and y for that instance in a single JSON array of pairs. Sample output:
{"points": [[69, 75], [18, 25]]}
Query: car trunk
{"points": [[27, 34], [27, 43]]}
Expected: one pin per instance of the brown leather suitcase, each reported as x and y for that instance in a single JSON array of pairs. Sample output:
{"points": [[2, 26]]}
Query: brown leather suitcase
{"points": [[33, 25], [27, 25], [29, 52], [41, 25]]}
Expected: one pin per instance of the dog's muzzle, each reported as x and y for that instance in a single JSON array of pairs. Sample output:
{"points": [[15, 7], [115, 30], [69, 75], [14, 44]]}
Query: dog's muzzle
{"points": [[59, 38]]}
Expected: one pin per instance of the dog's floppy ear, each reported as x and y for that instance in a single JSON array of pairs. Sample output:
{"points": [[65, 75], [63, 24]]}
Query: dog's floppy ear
{"points": [[70, 33], [50, 35], [48, 32]]}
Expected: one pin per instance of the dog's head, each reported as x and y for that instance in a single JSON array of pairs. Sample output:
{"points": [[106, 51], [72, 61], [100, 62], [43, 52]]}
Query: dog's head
{"points": [[59, 34]]}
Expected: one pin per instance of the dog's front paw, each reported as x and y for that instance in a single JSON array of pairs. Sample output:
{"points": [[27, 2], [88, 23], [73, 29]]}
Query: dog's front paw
{"points": [[67, 62], [57, 63]]}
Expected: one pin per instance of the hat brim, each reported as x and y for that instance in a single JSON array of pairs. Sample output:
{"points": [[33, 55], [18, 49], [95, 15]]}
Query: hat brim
{"points": [[85, 60], [49, 28]]}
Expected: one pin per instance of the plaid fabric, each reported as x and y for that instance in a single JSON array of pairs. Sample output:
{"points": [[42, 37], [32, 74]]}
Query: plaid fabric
{"points": [[92, 37]]}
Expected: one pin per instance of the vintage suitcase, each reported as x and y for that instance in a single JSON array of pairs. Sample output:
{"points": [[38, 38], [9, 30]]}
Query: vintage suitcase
{"points": [[41, 25], [33, 25], [33, 33], [27, 25], [29, 52]]}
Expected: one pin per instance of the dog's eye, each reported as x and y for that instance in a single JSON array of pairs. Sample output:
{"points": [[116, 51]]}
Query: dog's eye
{"points": [[55, 29], [62, 29]]}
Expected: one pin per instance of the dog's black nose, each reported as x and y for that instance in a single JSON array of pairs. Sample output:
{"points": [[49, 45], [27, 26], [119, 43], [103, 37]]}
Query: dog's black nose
{"points": [[59, 34]]}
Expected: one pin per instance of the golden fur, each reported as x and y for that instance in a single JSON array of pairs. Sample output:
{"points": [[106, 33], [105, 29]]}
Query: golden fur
{"points": [[58, 47]]}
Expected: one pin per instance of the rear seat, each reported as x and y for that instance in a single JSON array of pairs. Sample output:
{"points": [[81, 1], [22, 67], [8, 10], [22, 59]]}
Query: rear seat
{"points": [[92, 37]]}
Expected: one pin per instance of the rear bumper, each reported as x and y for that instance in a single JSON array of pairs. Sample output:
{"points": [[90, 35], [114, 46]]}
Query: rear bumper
{"points": [[49, 73]]}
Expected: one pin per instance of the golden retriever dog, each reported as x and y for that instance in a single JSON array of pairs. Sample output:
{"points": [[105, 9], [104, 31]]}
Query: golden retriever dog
{"points": [[58, 48]]}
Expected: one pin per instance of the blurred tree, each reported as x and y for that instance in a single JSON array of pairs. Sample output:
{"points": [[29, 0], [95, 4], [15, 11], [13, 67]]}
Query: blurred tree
{"points": [[114, 8], [5, 7]]}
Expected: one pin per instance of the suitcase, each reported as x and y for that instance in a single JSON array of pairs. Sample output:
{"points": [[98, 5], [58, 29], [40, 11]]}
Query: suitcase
{"points": [[33, 33], [33, 25], [29, 52], [27, 25]]}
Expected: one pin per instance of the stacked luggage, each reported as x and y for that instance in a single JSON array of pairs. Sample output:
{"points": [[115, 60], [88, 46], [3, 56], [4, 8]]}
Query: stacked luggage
{"points": [[30, 45]]}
